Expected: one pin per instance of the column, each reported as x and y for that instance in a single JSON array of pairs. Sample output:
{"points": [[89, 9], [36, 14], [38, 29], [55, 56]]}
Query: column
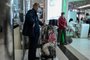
{"points": [[65, 7]]}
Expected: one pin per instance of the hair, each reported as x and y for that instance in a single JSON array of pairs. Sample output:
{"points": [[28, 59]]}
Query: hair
{"points": [[35, 4], [81, 18], [78, 19], [62, 13], [70, 20], [87, 14]]}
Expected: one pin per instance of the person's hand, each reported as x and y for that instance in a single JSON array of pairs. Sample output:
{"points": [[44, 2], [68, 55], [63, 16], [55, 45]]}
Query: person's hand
{"points": [[65, 27], [45, 24], [34, 25]]}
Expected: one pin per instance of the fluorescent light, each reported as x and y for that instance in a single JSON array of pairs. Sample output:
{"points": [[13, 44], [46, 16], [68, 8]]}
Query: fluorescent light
{"points": [[84, 6]]}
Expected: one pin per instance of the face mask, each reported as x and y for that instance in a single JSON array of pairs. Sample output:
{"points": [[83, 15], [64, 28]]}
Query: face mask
{"points": [[39, 10]]}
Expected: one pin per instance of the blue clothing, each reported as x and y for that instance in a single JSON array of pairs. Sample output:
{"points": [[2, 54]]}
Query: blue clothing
{"points": [[30, 19], [32, 32]]}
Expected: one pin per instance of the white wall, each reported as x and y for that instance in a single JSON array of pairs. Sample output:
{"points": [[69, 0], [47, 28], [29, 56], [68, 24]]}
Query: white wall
{"points": [[38, 1], [53, 9], [87, 11], [35, 1], [75, 0]]}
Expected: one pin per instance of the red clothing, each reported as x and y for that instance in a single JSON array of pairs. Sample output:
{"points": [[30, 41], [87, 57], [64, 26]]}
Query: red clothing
{"points": [[62, 23], [52, 37]]}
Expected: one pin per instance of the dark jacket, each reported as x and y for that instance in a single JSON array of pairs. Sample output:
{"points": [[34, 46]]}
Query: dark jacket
{"points": [[30, 19]]}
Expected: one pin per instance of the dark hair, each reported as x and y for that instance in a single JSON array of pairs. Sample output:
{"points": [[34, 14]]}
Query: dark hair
{"points": [[70, 20], [87, 14], [62, 13], [78, 19], [82, 18], [35, 4]]}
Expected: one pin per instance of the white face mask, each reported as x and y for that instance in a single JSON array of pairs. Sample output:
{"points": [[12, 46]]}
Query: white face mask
{"points": [[39, 10]]}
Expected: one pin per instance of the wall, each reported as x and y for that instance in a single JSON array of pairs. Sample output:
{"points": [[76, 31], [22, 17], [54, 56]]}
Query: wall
{"points": [[75, 0], [56, 6], [72, 14], [50, 6], [65, 7], [34, 1], [87, 11]]}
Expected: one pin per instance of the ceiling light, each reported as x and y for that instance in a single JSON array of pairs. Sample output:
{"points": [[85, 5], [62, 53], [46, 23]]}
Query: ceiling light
{"points": [[84, 6]]}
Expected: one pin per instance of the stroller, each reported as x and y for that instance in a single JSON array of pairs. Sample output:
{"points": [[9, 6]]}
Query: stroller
{"points": [[48, 43]]}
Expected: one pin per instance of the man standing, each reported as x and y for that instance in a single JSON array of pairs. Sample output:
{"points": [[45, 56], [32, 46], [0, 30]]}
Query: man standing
{"points": [[62, 24], [32, 30]]}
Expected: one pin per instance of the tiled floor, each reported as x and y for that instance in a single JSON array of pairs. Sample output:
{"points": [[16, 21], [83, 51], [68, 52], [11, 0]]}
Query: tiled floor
{"points": [[68, 53], [83, 46], [18, 54], [3, 55], [80, 47], [60, 55]]}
